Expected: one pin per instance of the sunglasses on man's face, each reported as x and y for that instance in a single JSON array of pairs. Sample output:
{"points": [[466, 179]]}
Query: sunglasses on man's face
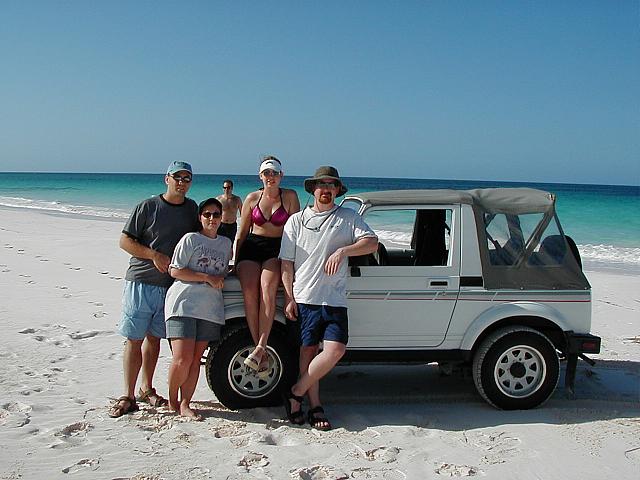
{"points": [[211, 214], [227, 187], [326, 184], [182, 178]]}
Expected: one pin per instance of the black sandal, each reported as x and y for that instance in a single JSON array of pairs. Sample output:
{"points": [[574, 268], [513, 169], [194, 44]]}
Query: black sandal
{"points": [[297, 417], [318, 422]]}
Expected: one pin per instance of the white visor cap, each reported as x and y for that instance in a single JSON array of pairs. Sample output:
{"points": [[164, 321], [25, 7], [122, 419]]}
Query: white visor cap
{"points": [[270, 164]]}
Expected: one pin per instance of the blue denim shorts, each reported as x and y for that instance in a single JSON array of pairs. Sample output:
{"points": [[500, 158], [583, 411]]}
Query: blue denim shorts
{"points": [[188, 327], [322, 322], [142, 311]]}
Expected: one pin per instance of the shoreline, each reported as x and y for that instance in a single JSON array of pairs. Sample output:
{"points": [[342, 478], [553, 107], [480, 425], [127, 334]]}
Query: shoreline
{"points": [[590, 265]]}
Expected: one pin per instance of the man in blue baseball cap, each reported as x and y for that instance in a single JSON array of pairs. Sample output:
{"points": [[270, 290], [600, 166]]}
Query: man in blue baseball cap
{"points": [[150, 236]]}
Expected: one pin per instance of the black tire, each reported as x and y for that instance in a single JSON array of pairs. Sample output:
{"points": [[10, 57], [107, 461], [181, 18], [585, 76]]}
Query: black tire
{"points": [[237, 386], [516, 368]]}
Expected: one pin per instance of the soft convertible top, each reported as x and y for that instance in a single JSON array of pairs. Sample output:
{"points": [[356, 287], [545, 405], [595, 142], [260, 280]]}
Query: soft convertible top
{"points": [[492, 200]]}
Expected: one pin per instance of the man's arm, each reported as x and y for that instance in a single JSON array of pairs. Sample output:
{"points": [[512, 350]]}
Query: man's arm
{"points": [[364, 246], [136, 249], [290, 306]]}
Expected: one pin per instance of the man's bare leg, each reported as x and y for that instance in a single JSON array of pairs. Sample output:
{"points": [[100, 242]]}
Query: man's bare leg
{"points": [[150, 354]]}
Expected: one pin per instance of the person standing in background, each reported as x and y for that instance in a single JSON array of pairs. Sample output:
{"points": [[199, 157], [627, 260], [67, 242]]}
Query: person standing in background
{"points": [[231, 208]]}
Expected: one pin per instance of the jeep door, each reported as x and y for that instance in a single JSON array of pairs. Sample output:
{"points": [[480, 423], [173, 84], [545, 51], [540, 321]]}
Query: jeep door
{"points": [[406, 298]]}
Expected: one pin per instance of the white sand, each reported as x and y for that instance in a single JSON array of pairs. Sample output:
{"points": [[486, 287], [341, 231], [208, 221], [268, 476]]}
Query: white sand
{"points": [[60, 279]]}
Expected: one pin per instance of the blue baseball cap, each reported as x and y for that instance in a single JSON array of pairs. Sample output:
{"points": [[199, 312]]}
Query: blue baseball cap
{"points": [[177, 166]]}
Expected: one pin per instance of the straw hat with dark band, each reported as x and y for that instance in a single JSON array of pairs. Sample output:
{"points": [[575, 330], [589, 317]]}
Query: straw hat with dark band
{"points": [[324, 173]]}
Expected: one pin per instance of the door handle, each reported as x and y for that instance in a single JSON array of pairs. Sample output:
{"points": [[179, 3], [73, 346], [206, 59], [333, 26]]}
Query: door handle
{"points": [[438, 283]]}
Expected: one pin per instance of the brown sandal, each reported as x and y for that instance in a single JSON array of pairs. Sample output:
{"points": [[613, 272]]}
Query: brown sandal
{"points": [[152, 398], [123, 405]]}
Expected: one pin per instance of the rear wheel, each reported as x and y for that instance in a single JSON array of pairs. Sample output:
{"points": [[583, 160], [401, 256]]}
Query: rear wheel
{"points": [[516, 368], [236, 385]]}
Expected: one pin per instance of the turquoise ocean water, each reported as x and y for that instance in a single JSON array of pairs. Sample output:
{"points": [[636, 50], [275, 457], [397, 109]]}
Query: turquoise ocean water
{"points": [[604, 220]]}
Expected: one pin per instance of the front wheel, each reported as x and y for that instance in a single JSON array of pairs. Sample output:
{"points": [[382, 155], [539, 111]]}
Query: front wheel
{"points": [[516, 368], [236, 385]]}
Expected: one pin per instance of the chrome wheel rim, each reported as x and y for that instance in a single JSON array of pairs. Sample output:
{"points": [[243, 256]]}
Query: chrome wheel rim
{"points": [[246, 382], [520, 371]]}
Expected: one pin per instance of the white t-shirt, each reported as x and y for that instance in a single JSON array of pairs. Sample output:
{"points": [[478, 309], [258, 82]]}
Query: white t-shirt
{"points": [[308, 240], [199, 253]]}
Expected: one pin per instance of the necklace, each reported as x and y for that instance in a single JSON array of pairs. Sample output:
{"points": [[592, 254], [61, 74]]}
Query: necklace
{"points": [[324, 220]]}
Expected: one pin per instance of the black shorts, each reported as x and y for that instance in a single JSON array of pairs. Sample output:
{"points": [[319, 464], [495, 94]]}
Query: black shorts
{"points": [[257, 248], [228, 230]]}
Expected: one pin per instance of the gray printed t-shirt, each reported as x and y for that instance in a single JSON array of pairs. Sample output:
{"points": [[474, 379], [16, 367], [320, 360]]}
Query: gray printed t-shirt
{"points": [[159, 225], [199, 253], [308, 240]]}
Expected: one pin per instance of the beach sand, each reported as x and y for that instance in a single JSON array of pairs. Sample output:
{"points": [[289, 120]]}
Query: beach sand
{"points": [[61, 358]]}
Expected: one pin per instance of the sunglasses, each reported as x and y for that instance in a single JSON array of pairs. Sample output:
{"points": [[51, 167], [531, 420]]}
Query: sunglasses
{"points": [[327, 184], [211, 214], [182, 178], [270, 173], [225, 187]]}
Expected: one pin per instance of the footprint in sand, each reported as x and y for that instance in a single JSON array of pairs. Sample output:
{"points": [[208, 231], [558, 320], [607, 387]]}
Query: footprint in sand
{"points": [[318, 472], [253, 460], [499, 446], [20, 251], [6, 245], [28, 330], [5, 270], [75, 268], [62, 287], [15, 414], [83, 335], [228, 429], [74, 430], [24, 275], [382, 454], [384, 474], [104, 273], [83, 465], [453, 470], [99, 314]]}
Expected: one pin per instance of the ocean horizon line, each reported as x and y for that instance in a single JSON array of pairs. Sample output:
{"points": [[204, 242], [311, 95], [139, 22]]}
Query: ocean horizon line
{"points": [[462, 180]]}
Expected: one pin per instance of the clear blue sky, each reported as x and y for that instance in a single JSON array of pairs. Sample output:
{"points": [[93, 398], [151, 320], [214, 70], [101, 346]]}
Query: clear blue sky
{"points": [[486, 90]]}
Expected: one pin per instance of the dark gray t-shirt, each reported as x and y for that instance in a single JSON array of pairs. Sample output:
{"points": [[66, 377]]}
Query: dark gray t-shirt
{"points": [[159, 225]]}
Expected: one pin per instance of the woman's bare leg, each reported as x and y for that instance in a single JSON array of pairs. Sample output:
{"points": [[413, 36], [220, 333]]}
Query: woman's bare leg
{"points": [[182, 349], [189, 386], [249, 276]]}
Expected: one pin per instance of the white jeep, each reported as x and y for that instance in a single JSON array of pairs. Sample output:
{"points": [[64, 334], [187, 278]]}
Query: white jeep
{"points": [[484, 278]]}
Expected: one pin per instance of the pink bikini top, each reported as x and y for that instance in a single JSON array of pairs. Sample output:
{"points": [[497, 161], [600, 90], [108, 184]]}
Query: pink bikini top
{"points": [[278, 218]]}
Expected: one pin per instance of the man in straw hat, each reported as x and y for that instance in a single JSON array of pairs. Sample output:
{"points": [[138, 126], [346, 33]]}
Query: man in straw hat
{"points": [[315, 248]]}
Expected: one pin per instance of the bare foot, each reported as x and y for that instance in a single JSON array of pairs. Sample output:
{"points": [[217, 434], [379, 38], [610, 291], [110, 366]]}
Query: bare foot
{"points": [[174, 406], [186, 411]]}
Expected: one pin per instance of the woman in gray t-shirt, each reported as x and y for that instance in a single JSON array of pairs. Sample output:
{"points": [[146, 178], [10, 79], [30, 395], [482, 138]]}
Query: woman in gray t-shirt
{"points": [[194, 308]]}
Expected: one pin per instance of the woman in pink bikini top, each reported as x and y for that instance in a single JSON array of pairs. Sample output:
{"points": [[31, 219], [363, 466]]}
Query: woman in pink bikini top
{"points": [[264, 214], [277, 219]]}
